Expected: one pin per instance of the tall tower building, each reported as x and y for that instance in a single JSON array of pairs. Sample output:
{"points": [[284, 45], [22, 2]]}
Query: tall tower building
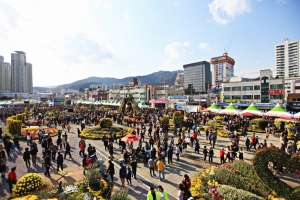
{"points": [[2, 74], [7, 77], [197, 78], [222, 68], [21, 73], [287, 57]]}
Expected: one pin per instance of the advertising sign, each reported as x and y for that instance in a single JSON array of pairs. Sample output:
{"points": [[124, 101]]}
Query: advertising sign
{"points": [[275, 92]]}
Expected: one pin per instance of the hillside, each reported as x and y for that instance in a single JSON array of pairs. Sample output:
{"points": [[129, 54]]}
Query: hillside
{"points": [[156, 78]]}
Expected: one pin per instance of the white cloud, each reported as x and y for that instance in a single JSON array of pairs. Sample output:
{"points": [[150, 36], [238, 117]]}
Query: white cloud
{"points": [[223, 11], [176, 49], [281, 1], [205, 46], [177, 3], [132, 67], [171, 66]]}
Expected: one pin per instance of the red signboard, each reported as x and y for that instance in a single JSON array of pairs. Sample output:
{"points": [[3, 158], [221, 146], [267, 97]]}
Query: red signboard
{"points": [[275, 92]]}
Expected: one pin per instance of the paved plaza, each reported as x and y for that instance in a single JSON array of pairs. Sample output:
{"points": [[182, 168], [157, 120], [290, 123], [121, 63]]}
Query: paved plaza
{"points": [[191, 164]]}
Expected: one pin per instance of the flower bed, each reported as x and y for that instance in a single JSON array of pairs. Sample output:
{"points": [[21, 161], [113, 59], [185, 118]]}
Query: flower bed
{"points": [[237, 179], [27, 184], [96, 132], [35, 130]]}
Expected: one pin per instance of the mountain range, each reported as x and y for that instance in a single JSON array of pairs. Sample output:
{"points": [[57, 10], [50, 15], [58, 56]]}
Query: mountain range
{"points": [[156, 78]]}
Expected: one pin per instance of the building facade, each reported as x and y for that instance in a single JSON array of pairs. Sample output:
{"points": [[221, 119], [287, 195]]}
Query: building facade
{"points": [[264, 89], [21, 73], [222, 68], [197, 78], [287, 57], [292, 85], [7, 77], [2, 84]]}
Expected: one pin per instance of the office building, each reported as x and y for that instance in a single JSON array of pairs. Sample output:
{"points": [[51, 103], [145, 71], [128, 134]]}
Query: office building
{"points": [[21, 73], [264, 89], [197, 78], [2, 74], [287, 57], [5, 76], [222, 68]]}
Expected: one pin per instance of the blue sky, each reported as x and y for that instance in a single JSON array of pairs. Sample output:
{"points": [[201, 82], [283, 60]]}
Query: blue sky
{"points": [[75, 39]]}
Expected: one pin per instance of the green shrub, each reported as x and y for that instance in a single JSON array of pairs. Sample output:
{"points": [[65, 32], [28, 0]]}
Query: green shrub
{"points": [[178, 117], [115, 129], [106, 123], [92, 178], [232, 193], [121, 194], [165, 120]]}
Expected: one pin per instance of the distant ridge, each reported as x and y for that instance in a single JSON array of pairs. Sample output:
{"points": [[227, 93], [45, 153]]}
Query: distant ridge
{"points": [[156, 78]]}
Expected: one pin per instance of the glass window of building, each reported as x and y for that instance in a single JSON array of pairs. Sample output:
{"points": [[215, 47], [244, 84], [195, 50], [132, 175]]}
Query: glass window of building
{"points": [[238, 88], [276, 96], [247, 87], [247, 96], [256, 96], [226, 88], [226, 96], [236, 96], [276, 86], [256, 87]]}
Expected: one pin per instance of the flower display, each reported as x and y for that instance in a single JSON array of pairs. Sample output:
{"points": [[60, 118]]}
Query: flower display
{"points": [[28, 184], [96, 132], [99, 193]]}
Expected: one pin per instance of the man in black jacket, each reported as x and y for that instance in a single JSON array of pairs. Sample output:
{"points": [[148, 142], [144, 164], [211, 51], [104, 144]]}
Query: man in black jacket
{"points": [[47, 165], [122, 174], [33, 153], [68, 150], [60, 161], [26, 157]]}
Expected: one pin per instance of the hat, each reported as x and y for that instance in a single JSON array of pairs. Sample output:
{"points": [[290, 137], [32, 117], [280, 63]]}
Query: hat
{"points": [[222, 148]]}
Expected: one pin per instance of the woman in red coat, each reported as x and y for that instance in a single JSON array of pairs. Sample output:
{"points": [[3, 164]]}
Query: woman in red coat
{"points": [[187, 181], [12, 178]]}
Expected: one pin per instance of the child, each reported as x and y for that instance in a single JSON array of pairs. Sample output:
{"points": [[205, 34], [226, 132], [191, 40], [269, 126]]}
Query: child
{"points": [[210, 155], [204, 153], [267, 135], [241, 154], [128, 176], [13, 148]]}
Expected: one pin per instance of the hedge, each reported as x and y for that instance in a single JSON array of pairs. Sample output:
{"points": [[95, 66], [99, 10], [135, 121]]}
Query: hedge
{"points": [[260, 163]]}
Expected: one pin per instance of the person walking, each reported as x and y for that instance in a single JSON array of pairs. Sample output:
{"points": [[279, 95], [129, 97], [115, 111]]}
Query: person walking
{"points": [[241, 154], [162, 193], [84, 163], [197, 146], [210, 155], [151, 166], [128, 176], [3, 161], [152, 194], [122, 174], [26, 157], [247, 143], [161, 169], [33, 153], [12, 178], [205, 152], [134, 167], [111, 170], [60, 161], [222, 156], [54, 149], [170, 155], [111, 150], [68, 150], [47, 165], [16, 142], [177, 151]]}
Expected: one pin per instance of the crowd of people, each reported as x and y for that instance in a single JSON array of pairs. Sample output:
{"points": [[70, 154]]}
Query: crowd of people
{"points": [[156, 152]]}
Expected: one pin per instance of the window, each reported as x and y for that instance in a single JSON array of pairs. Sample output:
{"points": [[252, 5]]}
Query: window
{"points": [[247, 96], [276, 86], [256, 87], [294, 99], [297, 87], [226, 88], [247, 87], [276, 96], [236, 88], [256, 96], [236, 96], [226, 96]]}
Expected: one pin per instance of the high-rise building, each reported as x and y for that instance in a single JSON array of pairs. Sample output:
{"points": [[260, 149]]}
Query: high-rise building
{"points": [[197, 78], [222, 68], [2, 74], [7, 77], [21, 73], [287, 57]]}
